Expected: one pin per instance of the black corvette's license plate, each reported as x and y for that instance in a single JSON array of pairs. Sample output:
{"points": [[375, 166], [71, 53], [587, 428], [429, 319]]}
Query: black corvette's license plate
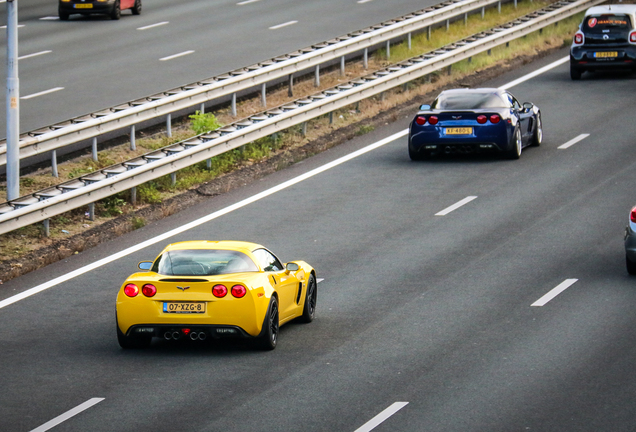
{"points": [[606, 54], [83, 6], [184, 307]]}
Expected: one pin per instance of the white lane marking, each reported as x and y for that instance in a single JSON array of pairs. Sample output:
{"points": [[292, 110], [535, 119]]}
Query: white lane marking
{"points": [[31, 96], [181, 54], [153, 25], [364, 1], [375, 421], [34, 54], [455, 206], [573, 141], [554, 292], [50, 18], [246, 2], [67, 415], [19, 26], [288, 23], [200, 221], [320, 280], [535, 73]]}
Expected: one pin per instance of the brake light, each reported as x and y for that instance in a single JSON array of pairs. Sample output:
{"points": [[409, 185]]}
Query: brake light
{"points": [[632, 37], [149, 290], [420, 120], [632, 215], [433, 120], [481, 119], [238, 291], [578, 38], [219, 291], [131, 290], [495, 118]]}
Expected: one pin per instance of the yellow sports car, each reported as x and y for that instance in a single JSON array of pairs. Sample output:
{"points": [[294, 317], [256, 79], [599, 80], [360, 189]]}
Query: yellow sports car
{"points": [[215, 289]]}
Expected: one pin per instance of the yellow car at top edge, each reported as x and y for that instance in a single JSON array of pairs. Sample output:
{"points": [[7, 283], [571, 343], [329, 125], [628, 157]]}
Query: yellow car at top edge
{"points": [[214, 289]]}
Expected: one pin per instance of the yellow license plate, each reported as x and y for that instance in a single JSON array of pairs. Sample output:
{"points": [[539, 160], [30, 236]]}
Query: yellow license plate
{"points": [[184, 307], [459, 131], [606, 54], [83, 6]]}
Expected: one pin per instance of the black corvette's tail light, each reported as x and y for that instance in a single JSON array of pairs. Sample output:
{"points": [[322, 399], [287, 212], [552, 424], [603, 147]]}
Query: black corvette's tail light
{"points": [[632, 37], [481, 119], [219, 291], [578, 38], [131, 290], [433, 120], [495, 118], [238, 291], [632, 215], [149, 290], [420, 120]]}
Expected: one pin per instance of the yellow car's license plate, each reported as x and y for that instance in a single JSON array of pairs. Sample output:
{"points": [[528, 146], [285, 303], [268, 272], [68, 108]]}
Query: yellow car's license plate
{"points": [[459, 131], [184, 307], [606, 54]]}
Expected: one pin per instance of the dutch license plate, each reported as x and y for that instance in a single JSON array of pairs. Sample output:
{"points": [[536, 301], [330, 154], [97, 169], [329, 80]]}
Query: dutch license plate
{"points": [[83, 6], [459, 131], [606, 54], [184, 307]]}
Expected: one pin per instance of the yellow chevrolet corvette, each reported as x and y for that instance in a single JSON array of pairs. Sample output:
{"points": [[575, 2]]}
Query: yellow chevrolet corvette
{"points": [[214, 289]]}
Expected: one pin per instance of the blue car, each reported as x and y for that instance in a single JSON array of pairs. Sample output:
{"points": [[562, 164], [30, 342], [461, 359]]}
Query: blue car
{"points": [[464, 121], [630, 243]]}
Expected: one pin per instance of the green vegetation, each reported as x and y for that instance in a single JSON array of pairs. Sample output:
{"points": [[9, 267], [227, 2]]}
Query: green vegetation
{"points": [[202, 123]]}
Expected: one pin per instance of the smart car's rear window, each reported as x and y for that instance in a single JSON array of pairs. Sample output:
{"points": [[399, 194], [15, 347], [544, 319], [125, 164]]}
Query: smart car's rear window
{"points": [[468, 100], [202, 262], [598, 23]]}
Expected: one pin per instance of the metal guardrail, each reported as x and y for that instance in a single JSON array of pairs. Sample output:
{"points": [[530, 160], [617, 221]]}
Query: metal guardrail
{"points": [[128, 114], [109, 181]]}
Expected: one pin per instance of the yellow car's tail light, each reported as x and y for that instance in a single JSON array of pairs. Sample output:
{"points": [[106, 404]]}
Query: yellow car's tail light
{"points": [[131, 290], [238, 291], [149, 290], [219, 291]]}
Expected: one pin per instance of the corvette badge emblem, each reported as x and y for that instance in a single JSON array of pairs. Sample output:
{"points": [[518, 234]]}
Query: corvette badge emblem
{"points": [[182, 288]]}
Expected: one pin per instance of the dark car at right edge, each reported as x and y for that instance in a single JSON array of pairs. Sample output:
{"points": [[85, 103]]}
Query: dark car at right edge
{"points": [[606, 40]]}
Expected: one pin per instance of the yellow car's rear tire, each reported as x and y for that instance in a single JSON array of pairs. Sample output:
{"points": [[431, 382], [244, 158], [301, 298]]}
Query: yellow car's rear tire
{"points": [[268, 339], [132, 342], [309, 308]]}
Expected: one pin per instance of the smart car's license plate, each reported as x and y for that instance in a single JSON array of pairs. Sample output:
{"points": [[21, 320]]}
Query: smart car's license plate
{"points": [[83, 6], [606, 54], [184, 307], [459, 131]]}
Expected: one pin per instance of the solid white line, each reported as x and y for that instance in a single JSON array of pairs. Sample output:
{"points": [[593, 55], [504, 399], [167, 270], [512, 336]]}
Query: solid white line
{"points": [[200, 221], [375, 421], [42, 93], [68, 414], [34, 54], [554, 292], [288, 23], [181, 54], [364, 1], [247, 2], [535, 73], [455, 206], [319, 280], [19, 26], [50, 18], [153, 25], [573, 141]]}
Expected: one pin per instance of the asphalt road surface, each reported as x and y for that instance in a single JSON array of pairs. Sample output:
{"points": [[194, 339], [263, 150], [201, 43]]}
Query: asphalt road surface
{"points": [[441, 319], [83, 65]]}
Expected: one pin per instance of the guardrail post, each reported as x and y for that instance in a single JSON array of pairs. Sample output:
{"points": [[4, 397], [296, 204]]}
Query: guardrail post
{"points": [[303, 130], [317, 76], [342, 66], [202, 110], [133, 195], [515, 4], [489, 52], [470, 60], [499, 7], [169, 125], [507, 44], [483, 12], [290, 87], [331, 117], [466, 19], [47, 231], [388, 49], [450, 70], [233, 104], [173, 178], [428, 33], [408, 40], [447, 25], [94, 149], [264, 95], [365, 58], [91, 211], [133, 145], [208, 164], [54, 163]]}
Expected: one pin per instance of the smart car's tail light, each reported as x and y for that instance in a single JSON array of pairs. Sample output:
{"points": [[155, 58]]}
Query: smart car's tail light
{"points": [[495, 118], [579, 38], [481, 119], [149, 290], [632, 215], [131, 290], [238, 291], [433, 120], [420, 120], [219, 291], [632, 37]]}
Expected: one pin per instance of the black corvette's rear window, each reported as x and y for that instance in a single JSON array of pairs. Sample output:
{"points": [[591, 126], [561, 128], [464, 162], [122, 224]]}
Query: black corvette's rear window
{"points": [[202, 262], [598, 23], [468, 100]]}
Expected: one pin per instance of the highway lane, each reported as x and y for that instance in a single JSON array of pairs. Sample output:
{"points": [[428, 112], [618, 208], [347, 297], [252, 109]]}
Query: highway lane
{"points": [[430, 310], [100, 63]]}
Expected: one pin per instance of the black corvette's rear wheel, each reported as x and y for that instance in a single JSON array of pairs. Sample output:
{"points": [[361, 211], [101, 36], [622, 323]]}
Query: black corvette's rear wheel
{"points": [[631, 266], [132, 342], [309, 308], [268, 338], [136, 9], [116, 13], [516, 145], [575, 73], [537, 137], [63, 15]]}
